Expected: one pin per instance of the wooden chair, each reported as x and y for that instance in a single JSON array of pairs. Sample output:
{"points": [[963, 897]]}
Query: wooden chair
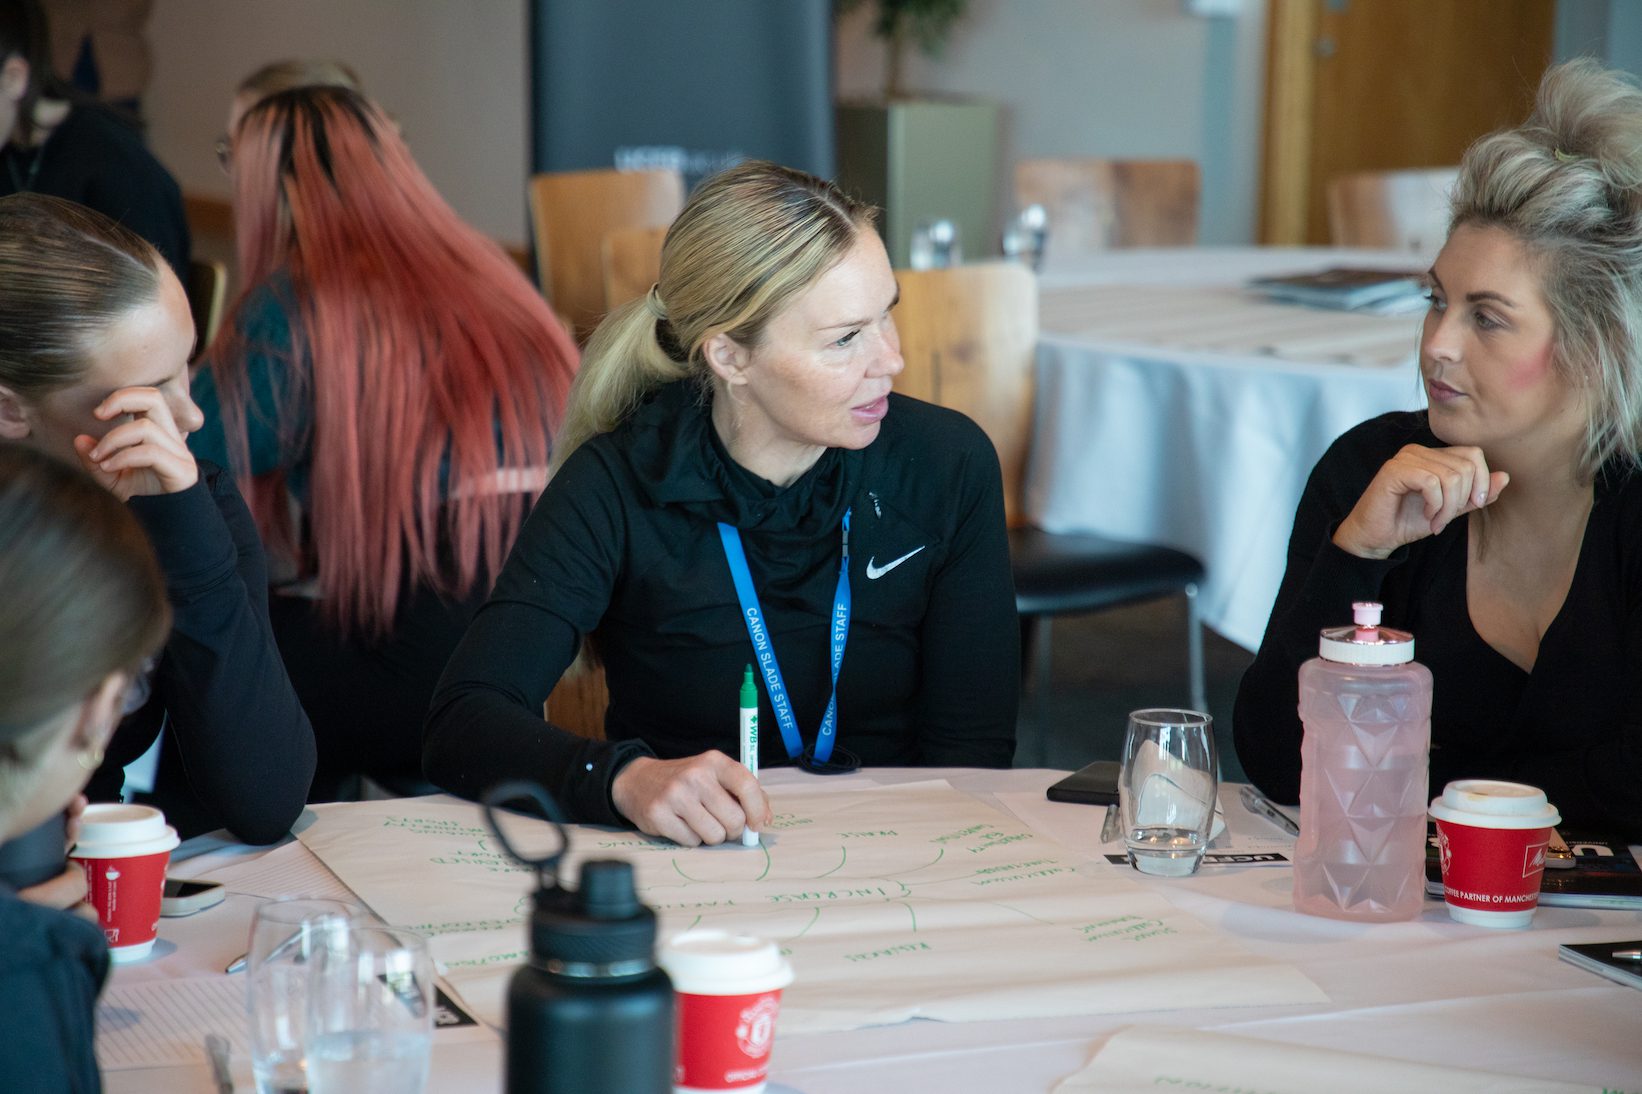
{"points": [[572, 211], [1405, 210], [631, 259], [207, 292], [578, 701], [968, 335], [1099, 204]]}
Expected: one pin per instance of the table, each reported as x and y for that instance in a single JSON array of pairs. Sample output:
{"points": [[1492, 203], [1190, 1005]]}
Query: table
{"points": [[1175, 407], [1428, 990]]}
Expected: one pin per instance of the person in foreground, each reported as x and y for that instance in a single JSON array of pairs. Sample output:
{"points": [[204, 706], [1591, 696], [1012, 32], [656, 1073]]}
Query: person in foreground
{"points": [[744, 405], [1503, 525], [94, 342], [393, 372], [82, 605]]}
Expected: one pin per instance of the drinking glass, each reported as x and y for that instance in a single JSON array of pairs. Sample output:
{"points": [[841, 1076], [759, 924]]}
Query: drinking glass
{"points": [[370, 1012], [286, 935], [1025, 235], [1166, 790]]}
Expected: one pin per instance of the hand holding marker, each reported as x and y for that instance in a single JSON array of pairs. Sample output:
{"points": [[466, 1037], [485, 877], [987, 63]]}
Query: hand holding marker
{"points": [[749, 739]]}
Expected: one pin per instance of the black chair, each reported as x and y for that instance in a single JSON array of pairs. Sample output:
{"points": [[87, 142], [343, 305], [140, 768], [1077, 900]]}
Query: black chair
{"points": [[969, 337]]}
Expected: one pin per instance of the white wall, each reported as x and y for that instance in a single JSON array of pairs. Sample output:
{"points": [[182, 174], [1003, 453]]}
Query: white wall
{"points": [[452, 72], [1126, 78], [1075, 77]]}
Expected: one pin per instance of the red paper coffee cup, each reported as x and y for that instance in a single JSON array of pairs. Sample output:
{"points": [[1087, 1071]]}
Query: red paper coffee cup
{"points": [[124, 850], [1492, 837], [728, 994]]}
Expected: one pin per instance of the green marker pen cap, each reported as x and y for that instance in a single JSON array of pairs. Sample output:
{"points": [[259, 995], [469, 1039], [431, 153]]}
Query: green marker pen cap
{"points": [[749, 690]]}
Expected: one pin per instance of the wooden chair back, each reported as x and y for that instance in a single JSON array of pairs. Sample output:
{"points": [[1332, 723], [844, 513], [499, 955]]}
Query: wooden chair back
{"points": [[572, 211], [207, 292], [631, 260], [969, 336], [578, 701], [1405, 210], [1099, 204]]}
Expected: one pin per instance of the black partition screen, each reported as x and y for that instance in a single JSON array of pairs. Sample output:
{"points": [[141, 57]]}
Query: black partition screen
{"points": [[692, 84]]}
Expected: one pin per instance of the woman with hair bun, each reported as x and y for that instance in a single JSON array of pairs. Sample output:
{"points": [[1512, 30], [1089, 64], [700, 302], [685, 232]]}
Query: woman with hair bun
{"points": [[1502, 525], [82, 607], [737, 485], [391, 376], [94, 341]]}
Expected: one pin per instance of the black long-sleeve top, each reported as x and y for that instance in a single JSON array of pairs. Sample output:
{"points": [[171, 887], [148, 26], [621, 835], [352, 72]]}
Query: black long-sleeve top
{"points": [[1572, 726], [219, 687], [97, 159], [624, 546], [52, 967]]}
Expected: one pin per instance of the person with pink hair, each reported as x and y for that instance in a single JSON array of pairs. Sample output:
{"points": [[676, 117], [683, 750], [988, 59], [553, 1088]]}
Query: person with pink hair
{"points": [[388, 383]]}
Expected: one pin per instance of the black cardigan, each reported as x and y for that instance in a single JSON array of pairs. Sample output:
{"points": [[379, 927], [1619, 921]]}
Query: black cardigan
{"points": [[52, 967], [220, 688], [1573, 726]]}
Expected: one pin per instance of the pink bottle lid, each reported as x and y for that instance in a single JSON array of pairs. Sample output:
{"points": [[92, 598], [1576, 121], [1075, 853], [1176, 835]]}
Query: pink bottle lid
{"points": [[1366, 642]]}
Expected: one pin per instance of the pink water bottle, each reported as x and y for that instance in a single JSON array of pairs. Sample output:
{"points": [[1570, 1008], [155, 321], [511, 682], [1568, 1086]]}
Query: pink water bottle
{"points": [[1366, 707]]}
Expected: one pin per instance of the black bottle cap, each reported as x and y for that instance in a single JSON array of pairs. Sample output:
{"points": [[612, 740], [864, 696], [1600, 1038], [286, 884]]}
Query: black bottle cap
{"points": [[600, 923]]}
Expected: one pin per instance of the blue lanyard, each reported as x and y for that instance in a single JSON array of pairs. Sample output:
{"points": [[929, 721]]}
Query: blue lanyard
{"points": [[764, 650]]}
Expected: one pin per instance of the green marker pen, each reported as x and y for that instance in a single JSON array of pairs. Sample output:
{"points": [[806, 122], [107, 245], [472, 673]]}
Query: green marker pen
{"points": [[749, 739]]}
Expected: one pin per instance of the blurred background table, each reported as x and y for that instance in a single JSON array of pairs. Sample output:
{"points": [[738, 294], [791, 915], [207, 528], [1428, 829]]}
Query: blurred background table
{"points": [[1174, 406]]}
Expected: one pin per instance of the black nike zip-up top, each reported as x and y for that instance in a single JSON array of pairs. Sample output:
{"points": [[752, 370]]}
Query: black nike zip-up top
{"points": [[624, 546]]}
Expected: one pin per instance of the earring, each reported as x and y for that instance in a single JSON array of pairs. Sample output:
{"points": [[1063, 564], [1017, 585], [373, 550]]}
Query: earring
{"points": [[89, 759]]}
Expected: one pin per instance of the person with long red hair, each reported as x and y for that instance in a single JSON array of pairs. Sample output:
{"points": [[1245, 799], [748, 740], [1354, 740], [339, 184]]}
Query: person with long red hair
{"points": [[388, 382]]}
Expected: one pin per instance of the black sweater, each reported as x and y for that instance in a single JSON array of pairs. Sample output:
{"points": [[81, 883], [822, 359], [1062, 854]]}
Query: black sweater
{"points": [[624, 546], [52, 966], [1573, 726], [220, 689], [97, 159]]}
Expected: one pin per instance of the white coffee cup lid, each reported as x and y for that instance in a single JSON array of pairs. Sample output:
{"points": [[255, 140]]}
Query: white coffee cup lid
{"points": [[123, 831], [711, 961], [1490, 803]]}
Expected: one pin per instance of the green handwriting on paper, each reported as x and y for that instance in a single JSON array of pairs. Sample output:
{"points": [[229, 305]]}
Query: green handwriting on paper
{"points": [[463, 926], [1132, 928], [485, 860], [983, 837], [491, 959], [428, 826], [692, 905], [889, 951], [1020, 872], [866, 892], [868, 835], [787, 820]]}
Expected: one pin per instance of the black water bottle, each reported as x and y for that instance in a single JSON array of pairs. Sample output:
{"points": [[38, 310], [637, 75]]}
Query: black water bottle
{"points": [[589, 1012]]}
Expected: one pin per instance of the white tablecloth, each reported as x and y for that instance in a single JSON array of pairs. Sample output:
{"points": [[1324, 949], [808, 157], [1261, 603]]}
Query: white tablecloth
{"points": [[1429, 990], [1175, 407]]}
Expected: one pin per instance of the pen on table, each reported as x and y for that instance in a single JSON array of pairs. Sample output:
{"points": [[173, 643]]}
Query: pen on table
{"points": [[216, 1050], [237, 964], [1112, 827], [749, 739], [1255, 802], [1628, 955]]}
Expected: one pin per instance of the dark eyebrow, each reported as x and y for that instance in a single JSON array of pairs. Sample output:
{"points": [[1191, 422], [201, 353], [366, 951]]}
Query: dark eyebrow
{"points": [[1487, 294], [864, 322], [1472, 297]]}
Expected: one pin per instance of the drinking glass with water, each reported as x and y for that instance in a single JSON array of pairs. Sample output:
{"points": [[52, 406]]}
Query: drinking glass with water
{"points": [[286, 935], [370, 1013], [1167, 790]]}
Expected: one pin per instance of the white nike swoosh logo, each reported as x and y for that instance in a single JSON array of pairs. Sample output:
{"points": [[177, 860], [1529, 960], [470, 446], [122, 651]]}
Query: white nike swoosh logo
{"points": [[876, 572]]}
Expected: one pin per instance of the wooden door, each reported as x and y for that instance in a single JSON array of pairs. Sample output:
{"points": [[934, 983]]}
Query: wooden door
{"points": [[1364, 85]]}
